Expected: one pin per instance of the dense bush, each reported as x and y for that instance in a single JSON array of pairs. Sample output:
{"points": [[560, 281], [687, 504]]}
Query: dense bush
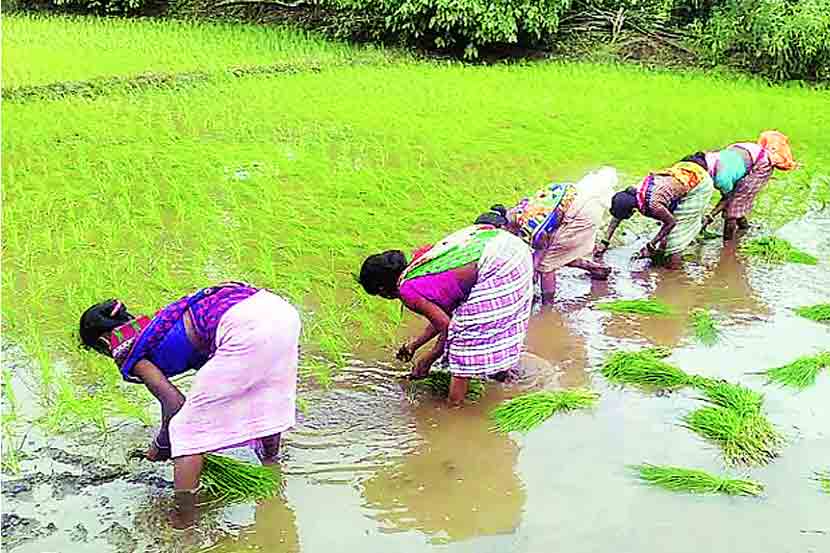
{"points": [[461, 24], [782, 39], [88, 6]]}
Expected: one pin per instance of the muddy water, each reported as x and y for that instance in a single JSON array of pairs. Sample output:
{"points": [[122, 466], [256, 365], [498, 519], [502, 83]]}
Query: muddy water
{"points": [[375, 466]]}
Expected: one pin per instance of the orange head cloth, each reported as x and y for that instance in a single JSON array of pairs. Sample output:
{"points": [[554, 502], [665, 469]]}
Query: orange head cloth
{"points": [[777, 146]]}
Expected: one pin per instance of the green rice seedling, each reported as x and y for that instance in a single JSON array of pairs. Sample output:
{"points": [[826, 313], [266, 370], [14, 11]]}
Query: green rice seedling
{"points": [[802, 372], [732, 396], [527, 411], [233, 480], [704, 327], [636, 307], [745, 439], [645, 369], [678, 479], [823, 478], [819, 312], [438, 384], [776, 250]]}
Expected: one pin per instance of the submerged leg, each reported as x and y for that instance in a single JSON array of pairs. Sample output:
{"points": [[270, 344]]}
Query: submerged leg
{"points": [[186, 473], [548, 287], [598, 270], [269, 449], [674, 261], [730, 226], [458, 389]]}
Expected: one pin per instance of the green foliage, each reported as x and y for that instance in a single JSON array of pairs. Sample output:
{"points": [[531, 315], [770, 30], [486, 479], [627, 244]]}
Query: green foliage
{"points": [[637, 307], [802, 372], [783, 39], [823, 478], [819, 312], [678, 479], [461, 24], [113, 7], [525, 412], [438, 384], [776, 250], [232, 480]]}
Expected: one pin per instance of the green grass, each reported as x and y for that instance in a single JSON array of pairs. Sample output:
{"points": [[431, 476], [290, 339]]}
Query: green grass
{"points": [[527, 411], [776, 250], [704, 327], [232, 480], [438, 384], [40, 49], [149, 195], [802, 372], [637, 307], [819, 312], [645, 369], [678, 479], [823, 479]]}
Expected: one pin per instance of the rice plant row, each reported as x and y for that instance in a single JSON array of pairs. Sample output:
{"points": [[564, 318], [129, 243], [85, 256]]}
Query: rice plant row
{"points": [[527, 411], [776, 250]]}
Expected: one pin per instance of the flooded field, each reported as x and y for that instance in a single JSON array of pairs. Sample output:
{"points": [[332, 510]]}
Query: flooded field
{"points": [[375, 466]]}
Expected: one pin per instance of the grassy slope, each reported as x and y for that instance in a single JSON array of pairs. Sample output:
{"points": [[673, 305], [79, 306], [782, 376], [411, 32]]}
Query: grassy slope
{"points": [[136, 196]]}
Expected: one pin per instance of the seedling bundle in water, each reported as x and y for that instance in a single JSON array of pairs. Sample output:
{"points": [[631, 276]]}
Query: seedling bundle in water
{"points": [[233, 480], [637, 307], [819, 312], [645, 368], [705, 330], [776, 250], [525, 412], [438, 384], [680, 479], [823, 479], [802, 372]]}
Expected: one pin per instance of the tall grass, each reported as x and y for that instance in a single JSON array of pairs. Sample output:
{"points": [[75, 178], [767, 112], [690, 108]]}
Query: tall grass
{"points": [[41, 49], [679, 479]]}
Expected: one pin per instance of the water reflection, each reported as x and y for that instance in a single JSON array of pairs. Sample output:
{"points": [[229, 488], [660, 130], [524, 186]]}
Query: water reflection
{"points": [[459, 483]]}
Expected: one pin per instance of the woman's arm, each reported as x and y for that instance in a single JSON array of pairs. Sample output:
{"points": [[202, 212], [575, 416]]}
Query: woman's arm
{"points": [[600, 248], [662, 214], [439, 322], [170, 398]]}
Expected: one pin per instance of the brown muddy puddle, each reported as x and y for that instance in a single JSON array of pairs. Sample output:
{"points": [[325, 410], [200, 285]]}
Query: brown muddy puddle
{"points": [[377, 467]]}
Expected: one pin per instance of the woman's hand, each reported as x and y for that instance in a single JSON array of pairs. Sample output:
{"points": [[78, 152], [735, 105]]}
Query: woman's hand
{"points": [[647, 251], [405, 353], [421, 369], [156, 453]]}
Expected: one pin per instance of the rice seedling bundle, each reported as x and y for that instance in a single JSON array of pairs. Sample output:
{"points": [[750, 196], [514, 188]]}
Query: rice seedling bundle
{"points": [[525, 412], [438, 384], [819, 312], [802, 372], [637, 307], [823, 478], [233, 480], [776, 250], [744, 438], [732, 396], [680, 479], [644, 368], [705, 330]]}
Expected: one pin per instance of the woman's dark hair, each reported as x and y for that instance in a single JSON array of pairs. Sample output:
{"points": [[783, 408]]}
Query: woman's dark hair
{"points": [[497, 216], [102, 318], [623, 203], [381, 271], [699, 158]]}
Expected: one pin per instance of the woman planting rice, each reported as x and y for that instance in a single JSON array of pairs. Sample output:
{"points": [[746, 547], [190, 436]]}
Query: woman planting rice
{"points": [[475, 289], [560, 223], [740, 171], [677, 197], [244, 343]]}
